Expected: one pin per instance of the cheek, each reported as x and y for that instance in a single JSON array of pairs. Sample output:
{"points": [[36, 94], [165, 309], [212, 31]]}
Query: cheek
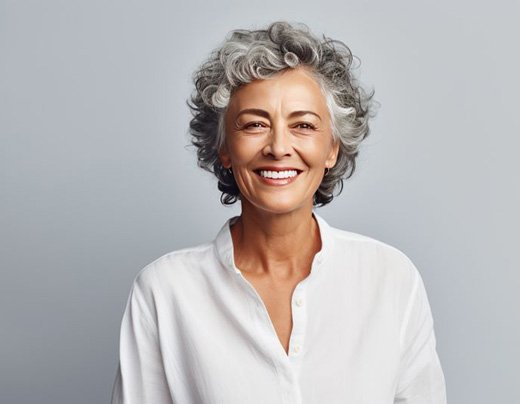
{"points": [[243, 151], [314, 153]]}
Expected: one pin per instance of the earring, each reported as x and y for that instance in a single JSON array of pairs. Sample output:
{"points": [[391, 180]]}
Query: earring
{"points": [[326, 171]]}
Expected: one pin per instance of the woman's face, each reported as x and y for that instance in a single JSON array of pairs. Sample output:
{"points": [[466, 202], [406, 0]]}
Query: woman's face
{"points": [[279, 141]]}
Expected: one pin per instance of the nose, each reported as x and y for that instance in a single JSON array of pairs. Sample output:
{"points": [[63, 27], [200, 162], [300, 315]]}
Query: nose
{"points": [[278, 143]]}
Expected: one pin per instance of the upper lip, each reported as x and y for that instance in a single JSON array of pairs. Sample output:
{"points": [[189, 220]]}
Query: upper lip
{"points": [[275, 168]]}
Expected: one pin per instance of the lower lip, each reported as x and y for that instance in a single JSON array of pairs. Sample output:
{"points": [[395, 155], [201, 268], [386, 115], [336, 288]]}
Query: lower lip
{"points": [[277, 181]]}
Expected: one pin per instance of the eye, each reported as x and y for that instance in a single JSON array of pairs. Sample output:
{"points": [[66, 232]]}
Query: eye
{"points": [[254, 125], [305, 125]]}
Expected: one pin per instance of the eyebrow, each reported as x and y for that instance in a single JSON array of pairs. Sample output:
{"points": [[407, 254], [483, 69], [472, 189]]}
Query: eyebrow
{"points": [[265, 114]]}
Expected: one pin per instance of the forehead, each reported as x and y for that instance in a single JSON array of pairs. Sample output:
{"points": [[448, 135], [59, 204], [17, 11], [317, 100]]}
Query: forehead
{"points": [[291, 88]]}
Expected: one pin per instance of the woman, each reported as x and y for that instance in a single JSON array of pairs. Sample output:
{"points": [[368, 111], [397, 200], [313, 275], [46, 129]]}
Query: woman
{"points": [[280, 307]]}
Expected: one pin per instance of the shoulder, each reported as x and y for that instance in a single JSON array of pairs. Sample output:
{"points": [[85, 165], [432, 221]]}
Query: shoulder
{"points": [[374, 255], [363, 243], [377, 266], [175, 265]]}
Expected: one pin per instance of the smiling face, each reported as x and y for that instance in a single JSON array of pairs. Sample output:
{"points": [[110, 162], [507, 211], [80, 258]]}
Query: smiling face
{"points": [[279, 141]]}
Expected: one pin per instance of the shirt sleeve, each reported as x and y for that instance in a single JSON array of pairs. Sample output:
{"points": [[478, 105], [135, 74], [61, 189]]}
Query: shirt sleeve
{"points": [[140, 377], [421, 379]]}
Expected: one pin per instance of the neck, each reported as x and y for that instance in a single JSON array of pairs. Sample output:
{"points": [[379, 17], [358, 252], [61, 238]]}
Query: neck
{"points": [[278, 245]]}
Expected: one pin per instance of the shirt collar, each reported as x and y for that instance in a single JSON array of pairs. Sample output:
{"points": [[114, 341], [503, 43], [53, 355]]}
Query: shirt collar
{"points": [[224, 244]]}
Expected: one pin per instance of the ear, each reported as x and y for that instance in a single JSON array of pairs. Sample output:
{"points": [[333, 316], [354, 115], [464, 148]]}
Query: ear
{"points": [[224, 157], [333, 155]]}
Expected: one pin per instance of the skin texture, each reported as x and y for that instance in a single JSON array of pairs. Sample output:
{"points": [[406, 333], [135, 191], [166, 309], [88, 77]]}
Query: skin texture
{"points": [[276, 237]]}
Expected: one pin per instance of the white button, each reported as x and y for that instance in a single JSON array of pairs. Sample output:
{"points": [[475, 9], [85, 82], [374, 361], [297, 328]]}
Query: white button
{"points": [[296, 348], [298, 301]]}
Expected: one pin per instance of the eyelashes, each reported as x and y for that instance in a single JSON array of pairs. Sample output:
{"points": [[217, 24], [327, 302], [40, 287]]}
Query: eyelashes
{"points": [[252, 125], [308, 125]]}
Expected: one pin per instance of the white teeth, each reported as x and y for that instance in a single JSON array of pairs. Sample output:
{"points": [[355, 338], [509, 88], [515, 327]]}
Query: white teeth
{"points": [[278, 174]]}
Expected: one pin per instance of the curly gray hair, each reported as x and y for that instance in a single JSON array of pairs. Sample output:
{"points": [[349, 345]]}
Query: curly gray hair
{"points": [[248, 55]]}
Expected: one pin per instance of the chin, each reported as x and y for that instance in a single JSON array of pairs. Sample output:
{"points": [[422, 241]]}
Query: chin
{"points": [[276, 205]]}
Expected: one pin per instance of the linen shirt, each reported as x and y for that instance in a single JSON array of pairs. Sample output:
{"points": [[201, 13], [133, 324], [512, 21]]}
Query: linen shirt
{"points": [[195, 331]]}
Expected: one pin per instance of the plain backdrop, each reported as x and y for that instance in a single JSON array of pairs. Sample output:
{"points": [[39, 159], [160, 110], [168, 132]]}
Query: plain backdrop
{"points": [[97, 180]]}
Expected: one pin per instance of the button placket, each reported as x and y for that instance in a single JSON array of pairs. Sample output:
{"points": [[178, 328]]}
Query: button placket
{"points": [[299, 322]]}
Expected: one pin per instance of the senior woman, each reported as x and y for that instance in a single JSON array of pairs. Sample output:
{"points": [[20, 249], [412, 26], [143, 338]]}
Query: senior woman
{"points": [[281, 307]]}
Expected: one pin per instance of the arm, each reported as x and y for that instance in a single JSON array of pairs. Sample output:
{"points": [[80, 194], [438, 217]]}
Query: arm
{"points": [[140, 377], [421, 379]]}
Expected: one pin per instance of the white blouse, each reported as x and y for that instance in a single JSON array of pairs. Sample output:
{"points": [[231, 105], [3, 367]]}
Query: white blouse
{"points": [[195, 331]]}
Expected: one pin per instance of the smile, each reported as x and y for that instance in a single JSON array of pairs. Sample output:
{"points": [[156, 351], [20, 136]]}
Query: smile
{"points": [[275, 177], [278, 174]]}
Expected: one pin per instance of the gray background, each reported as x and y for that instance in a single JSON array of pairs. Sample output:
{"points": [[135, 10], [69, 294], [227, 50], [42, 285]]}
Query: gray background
{"points": [[95, 172]]}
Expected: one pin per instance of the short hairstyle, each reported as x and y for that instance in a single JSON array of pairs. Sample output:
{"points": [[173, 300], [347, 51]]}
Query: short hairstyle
{"points": [[248, 55]]}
